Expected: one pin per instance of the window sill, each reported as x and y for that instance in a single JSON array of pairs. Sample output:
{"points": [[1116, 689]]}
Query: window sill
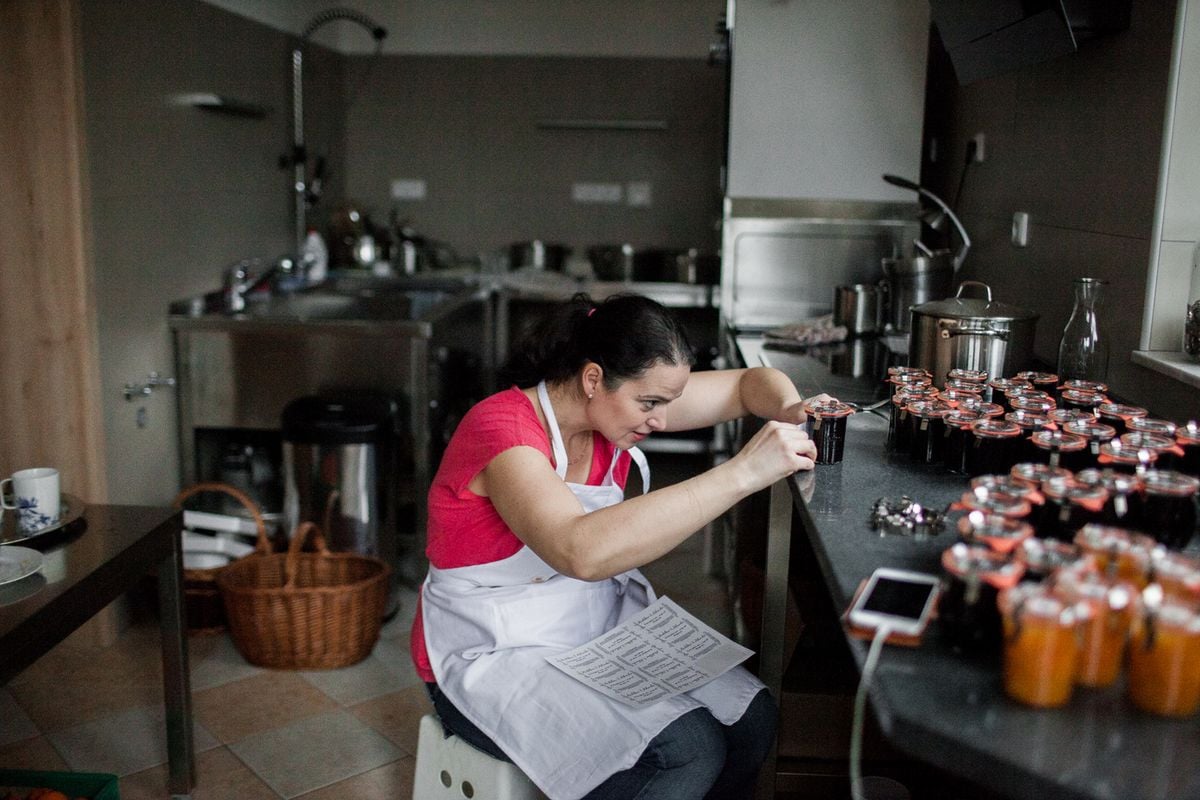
{"points": [[1172, 363]]}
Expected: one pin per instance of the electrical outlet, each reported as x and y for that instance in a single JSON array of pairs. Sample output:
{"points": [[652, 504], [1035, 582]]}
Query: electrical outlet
{"points": [[638, 193], [1020, 229], [408, 189], [979, 153]]}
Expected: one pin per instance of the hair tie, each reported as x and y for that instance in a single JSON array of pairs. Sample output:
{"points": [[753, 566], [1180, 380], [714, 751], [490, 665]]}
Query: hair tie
{"points": [[591, 311]]}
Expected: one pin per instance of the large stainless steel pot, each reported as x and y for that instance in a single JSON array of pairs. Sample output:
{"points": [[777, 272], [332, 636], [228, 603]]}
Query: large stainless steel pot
{"points": [[909, 282], [971, 333]]}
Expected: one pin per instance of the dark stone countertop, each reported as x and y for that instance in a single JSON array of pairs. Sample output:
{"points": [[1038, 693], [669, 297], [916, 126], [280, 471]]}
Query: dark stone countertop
{"points": [[940, 705]]}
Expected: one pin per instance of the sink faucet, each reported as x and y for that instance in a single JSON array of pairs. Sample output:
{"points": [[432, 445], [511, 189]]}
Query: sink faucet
{"points": [[240, 280]]}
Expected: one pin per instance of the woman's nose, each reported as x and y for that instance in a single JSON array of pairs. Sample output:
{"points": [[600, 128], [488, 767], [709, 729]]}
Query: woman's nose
{"points": [[657, 421]]}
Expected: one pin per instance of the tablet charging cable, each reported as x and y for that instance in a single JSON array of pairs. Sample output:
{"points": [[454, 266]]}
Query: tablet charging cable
{"points": [[860, 711]]}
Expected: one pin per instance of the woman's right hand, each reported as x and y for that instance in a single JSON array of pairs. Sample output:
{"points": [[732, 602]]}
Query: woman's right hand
{"points": [[779, 449]]}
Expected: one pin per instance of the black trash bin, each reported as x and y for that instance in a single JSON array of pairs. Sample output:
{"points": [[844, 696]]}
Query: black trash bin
{"points": [[338, 472]]}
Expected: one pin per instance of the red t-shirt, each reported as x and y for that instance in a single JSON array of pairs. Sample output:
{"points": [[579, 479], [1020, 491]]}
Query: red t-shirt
{"points": [[465, 529]]}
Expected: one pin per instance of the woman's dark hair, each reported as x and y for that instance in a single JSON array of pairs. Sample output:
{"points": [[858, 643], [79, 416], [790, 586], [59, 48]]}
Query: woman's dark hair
{"points": [[625, 334]]}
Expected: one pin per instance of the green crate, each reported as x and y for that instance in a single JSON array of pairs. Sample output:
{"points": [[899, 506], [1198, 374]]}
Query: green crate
{"points": [[92, 785]]}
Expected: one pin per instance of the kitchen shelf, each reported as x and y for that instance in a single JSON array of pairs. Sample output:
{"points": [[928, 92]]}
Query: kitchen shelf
{"points": [[1172, 363]]}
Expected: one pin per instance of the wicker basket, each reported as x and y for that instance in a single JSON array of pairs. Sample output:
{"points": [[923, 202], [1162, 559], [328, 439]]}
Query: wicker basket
{"points": [[202, 600], [299, 610]]}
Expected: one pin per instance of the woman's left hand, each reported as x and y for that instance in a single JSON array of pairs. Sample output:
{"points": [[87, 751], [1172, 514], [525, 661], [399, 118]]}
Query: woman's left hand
{"points": [[798, 412]]}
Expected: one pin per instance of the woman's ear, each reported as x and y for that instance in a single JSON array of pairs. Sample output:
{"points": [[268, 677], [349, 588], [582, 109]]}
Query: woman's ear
{"points": [[592, 376]]}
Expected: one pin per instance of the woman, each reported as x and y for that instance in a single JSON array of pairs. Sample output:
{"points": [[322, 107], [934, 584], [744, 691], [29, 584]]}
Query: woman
{"points": [[532, 552]]}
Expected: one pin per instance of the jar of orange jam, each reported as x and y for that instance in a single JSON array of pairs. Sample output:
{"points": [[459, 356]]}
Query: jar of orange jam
{"points": [[1111, 605], [1041, 644], [1178, 576], [1164, 660], [1118, 553]]}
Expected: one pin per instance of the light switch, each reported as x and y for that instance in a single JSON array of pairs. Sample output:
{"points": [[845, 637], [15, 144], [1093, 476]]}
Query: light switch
{"points": [[1020, 229], [408, 189], [638, 193], [597, 192]]}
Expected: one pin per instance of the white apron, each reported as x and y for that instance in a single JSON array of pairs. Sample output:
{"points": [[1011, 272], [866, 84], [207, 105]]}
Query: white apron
{"points": [[489, 628]]}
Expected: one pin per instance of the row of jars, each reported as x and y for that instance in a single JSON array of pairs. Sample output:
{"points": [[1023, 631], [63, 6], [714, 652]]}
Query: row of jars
{"points": [[976, 426], [1074, 614]]}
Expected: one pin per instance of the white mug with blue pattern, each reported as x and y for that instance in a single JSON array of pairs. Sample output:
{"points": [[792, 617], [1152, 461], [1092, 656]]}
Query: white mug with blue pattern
{"points": [[35, 496]]}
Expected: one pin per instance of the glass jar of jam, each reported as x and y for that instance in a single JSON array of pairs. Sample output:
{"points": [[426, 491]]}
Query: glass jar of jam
{"points": [[1035, 473], [1002, 386], [1097, 433], [1164, 447], [1068, 507], [1062, 416], [901, 380], [1043, 558], [1178, 576], [1124, 457], [966, 386], [1020, 401], [1060, 449], [1045, 381], [1007, 484], [998, 533], [994, 447], [1118, 554], [967, 609], [905, 370], [1081, 400], [1030, 423], [1118, 415], [1188, 439], [827, 428], [1123, 507], [928, 439], [976, 376], [1169, 509], [1095, 387], [955, 396], [958, 435], [1041, 644], [982, 408], [994, 501], [899, 426], [1159, 427], [1164, 660], [1110, 607]]}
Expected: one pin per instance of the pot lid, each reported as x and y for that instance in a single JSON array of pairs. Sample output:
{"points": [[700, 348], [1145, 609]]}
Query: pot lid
{"points": [[959, 307]]}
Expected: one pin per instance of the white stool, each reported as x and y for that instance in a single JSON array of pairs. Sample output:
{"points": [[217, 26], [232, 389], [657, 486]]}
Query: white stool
{"points": [[448, 767]]}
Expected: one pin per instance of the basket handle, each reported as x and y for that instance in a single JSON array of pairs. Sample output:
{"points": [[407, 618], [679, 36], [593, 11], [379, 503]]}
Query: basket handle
{"points": [[299, 536], [261, 544]]}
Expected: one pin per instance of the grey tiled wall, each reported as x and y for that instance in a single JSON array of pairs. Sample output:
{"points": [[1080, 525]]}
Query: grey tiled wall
{"points": [[1074, 142]]}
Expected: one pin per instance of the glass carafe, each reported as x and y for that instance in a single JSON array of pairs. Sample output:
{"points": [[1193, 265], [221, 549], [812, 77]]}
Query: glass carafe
{"points": [[1083, 352]]}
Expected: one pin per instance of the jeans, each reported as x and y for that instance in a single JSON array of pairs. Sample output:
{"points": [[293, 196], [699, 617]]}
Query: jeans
{"points": [[692, 758]]}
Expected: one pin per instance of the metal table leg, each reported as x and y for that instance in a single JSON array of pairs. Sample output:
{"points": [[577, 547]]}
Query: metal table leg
{"points": [[774, 615], [181, 765]]}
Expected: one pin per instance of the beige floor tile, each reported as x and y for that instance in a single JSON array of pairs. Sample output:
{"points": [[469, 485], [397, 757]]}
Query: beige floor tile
{"points": [[392, 781], [123, 743], [251, 705], [315, 752], [83, 697], [37, 753], [15, 724], [220, 775], [397, 716]]}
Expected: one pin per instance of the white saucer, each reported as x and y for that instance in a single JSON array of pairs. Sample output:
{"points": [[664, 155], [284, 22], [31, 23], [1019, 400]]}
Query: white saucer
{"points": [[17, 563]]}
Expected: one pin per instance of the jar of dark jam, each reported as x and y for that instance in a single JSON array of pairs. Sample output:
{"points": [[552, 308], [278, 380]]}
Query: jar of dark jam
{"points": [[1164, 447], [1061, 449], [1030, 423], [1082, 400], [1035, 473], [1124, 504], [1188, 439], [958, 435], [983, 409], [1123, 457], [994, 501], [1007, 484], [976, 376], [902, 380], [967, 610], [1062, 416], [1046, 381], [827, 428], [904, 370], [955, 397], [997, 533], [970, 386], [928, 439], [899, 426], [1169, 510], [1002, 386], [1118, 415], [994, 447], [1069, 506], [1160, 427], [1095, 387], [1042, 557], [1097, 433], [1020, 401]]}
